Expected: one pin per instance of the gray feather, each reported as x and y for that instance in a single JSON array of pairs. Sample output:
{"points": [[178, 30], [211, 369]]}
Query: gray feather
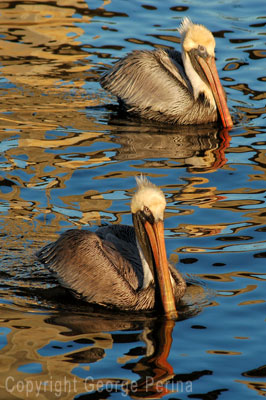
{"points": [[153, 85], [91, 265]]}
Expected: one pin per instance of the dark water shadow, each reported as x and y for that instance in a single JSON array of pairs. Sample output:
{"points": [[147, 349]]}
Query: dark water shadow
{"points": [[200, 148], [156, 374]]}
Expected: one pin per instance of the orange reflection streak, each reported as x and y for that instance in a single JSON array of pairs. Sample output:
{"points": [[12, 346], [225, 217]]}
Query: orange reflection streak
{"points": [[258, 386], [159, 370]]}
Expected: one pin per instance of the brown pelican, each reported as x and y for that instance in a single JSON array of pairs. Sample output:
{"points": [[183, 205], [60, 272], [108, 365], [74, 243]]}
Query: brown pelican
{"points": [[169, 86], [121, 266]]}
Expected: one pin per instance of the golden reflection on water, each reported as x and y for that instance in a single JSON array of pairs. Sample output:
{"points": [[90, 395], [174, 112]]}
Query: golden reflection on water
{"points": [[42, 55], [29, 337], [49, 40]]}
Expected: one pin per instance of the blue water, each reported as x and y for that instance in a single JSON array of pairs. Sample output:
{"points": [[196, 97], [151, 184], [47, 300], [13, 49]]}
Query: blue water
{"points": [[68, 161]]}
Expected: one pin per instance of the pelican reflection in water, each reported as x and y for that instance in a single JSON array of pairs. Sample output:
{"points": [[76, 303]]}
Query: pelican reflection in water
{"points": [[169, 86], [121, 266]]}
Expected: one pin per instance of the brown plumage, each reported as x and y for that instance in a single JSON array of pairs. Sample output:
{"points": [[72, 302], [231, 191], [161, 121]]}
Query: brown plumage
{"points": [[169, 86], [117, 266]]}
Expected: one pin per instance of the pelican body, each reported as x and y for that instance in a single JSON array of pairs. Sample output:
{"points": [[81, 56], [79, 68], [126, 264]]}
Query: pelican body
{"points": [[121, 266], [169, 86]]}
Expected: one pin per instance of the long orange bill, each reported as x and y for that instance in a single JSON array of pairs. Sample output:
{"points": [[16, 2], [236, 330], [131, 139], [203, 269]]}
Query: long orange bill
{"points": [[209, 67], [156, 237]]}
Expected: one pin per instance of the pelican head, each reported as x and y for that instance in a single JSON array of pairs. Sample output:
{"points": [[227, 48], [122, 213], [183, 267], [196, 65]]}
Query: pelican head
{"points": [[148, 196], [198, 54], [147, 207]]}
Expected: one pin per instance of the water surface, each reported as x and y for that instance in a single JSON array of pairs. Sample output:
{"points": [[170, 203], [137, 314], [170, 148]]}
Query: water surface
{"points": [[69, 161]]}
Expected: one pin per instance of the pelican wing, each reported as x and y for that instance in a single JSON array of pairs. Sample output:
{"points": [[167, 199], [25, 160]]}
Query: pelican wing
{"points": [[148, 81], [93, 268], [123, 238]]}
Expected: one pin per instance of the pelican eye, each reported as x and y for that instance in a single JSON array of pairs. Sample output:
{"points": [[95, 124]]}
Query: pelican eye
{"points": [[202, 51], [147, 211], [148, 214]]}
